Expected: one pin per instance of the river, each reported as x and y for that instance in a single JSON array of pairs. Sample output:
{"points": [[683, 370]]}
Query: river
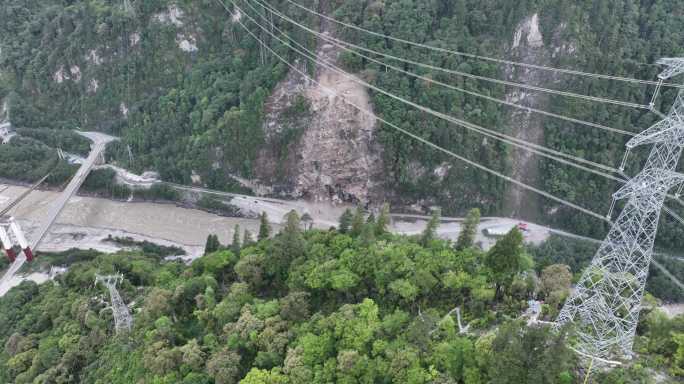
{"points": [[86, 222]]}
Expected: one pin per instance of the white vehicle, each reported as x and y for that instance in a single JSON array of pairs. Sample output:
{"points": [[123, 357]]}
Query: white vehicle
{"points": [[502, 230], [498, 231]]}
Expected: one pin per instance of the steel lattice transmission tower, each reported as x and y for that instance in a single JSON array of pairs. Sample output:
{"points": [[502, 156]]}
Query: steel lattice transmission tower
{"points": [[604, 307], [122, 318]]}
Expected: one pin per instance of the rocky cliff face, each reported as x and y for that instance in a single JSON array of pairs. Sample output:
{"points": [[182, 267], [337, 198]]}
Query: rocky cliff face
{"points": [[336, 156]]}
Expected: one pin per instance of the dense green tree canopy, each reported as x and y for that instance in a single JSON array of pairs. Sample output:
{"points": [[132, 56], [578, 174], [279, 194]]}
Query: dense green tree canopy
{"points": [[93, 65], [466, 238], [303, 307]]}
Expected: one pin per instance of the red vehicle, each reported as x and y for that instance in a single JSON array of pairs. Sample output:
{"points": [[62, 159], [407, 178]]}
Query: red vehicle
{"points": [[523, 227]]}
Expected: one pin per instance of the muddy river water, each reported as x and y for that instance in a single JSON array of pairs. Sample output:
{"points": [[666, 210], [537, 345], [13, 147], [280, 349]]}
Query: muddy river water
{"points": [[86, 221]]}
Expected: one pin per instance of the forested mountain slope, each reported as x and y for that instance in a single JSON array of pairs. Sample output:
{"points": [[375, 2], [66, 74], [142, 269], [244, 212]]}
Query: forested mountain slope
{"points": [[355, 305], [195, 97]]}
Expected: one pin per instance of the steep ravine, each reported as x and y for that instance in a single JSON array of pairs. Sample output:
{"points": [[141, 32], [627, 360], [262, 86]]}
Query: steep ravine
{"points": [[5, 125], [528, 46]]}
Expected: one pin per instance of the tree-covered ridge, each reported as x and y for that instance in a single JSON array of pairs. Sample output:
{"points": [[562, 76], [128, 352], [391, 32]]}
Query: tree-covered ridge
{"points": [[177, 80], [136, 74], [363, 306]]}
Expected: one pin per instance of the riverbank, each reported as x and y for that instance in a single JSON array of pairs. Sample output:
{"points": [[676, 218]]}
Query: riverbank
{"points": [[87, 222]]}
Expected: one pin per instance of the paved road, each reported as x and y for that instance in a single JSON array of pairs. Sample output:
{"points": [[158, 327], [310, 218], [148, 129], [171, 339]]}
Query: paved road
{"points": [[158, 224], [326, 214], [405, 223], [99, 143]]}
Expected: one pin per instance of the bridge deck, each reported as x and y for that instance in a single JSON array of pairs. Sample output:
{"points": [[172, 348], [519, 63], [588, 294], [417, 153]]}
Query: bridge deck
{"points": [[100, 142]]}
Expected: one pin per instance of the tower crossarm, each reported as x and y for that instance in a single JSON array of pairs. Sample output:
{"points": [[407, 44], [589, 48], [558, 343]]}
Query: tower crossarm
{"points": [[109, 279], [648, 181], [675, 66], [670, 129]]}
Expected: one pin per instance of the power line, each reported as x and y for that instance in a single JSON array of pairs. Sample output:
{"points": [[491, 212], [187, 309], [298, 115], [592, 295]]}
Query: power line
{"points": [[407, 133], [531, 147], [432, 145], [524, 86], [675, 216], [489, 133], [346, 46], [420, 139], [610, 169], [677, 199], [606, 303], [668, 274], [480, 57]]}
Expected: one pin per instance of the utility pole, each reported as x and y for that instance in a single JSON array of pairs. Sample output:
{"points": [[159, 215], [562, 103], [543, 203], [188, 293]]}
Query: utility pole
{"points": [[604, 307], [122, 318]]}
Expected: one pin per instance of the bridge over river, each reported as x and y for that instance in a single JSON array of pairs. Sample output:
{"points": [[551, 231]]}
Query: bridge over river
{"points": [[97, 149]]}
